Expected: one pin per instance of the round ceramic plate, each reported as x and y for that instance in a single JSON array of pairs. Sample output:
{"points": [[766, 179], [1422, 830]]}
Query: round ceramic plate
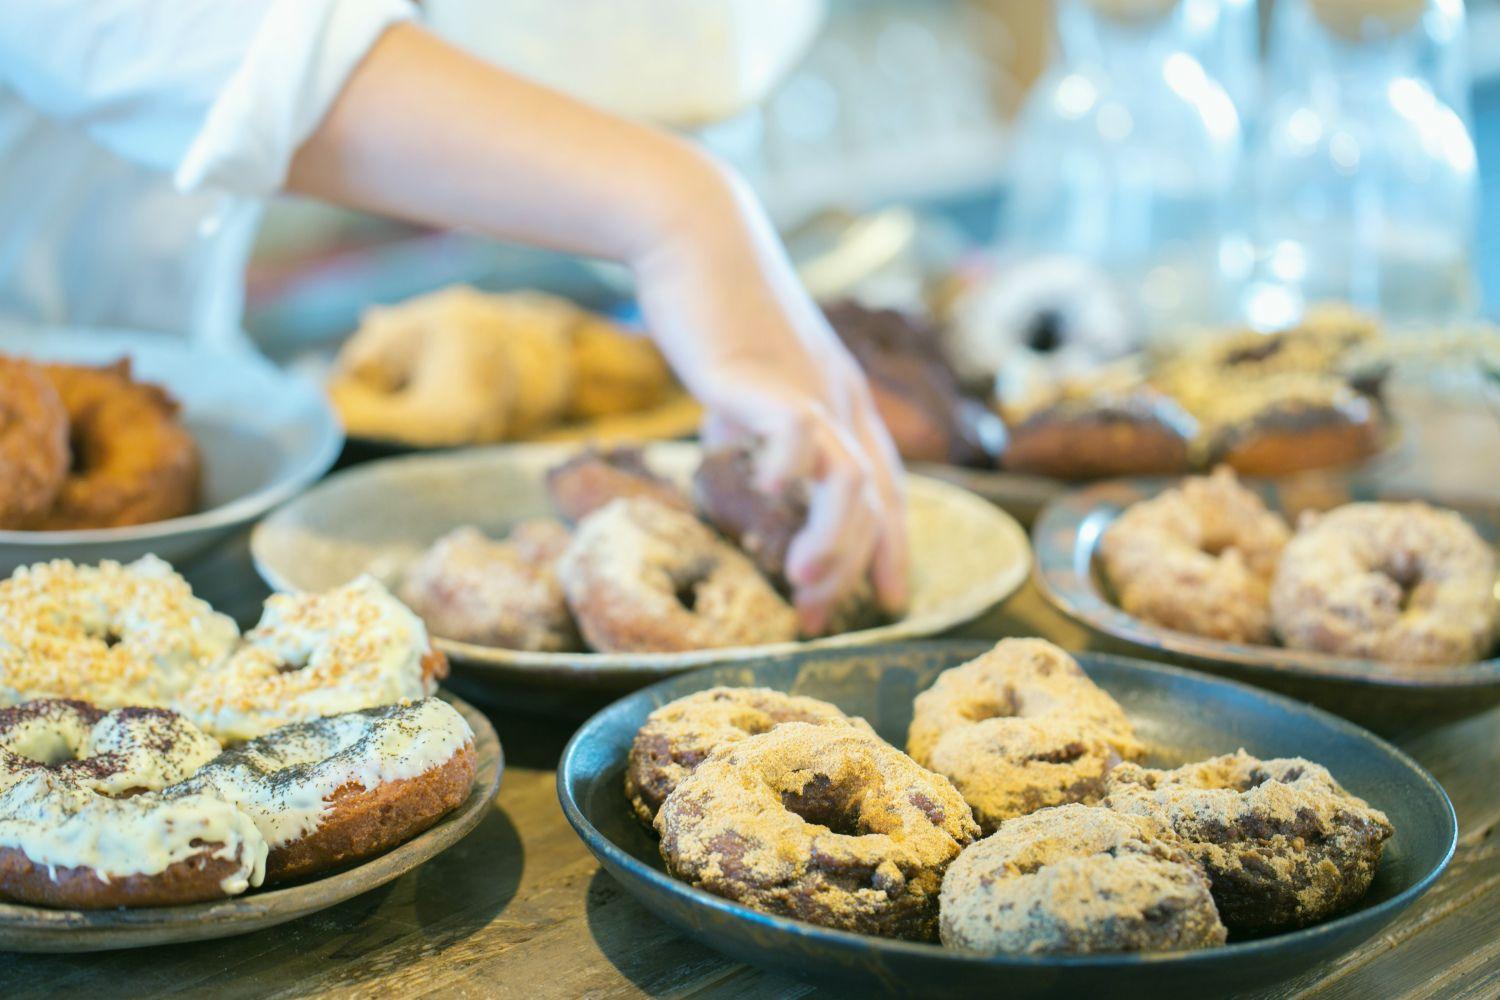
{"points": [[33, 928], [1383, 695], [264, 435], [1182, 716], [377, 518]]}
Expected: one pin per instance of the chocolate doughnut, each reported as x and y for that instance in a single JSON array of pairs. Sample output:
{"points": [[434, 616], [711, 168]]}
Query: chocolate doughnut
{"points": [[593, 478]]}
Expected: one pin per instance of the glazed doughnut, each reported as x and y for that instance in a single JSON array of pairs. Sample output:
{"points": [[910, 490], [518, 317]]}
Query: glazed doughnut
{"points": [[330, 791], [1197, 558], [593, 478], [33, 444], [1389, 581], [642, 577], [109, 634], [469, 588], [678, 736], [1020, 728], [1074, 879], [84, 822], [1283, 844], [133, 461], [314, 655], [822, 823]]}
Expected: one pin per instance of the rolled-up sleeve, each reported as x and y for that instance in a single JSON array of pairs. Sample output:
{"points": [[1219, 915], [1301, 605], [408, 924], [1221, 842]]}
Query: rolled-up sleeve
{"points": [[218, 93]]}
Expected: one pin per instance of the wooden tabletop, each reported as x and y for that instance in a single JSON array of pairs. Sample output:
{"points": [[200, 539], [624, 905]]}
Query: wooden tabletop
{"points": [[520, 909]]}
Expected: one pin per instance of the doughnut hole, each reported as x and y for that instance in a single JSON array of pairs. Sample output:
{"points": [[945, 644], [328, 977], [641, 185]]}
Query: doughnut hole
{"points": [[829, 803]]}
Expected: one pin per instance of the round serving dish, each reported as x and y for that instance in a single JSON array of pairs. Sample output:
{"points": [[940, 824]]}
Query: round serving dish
{"points": [[376, 518], [264, 435], [35, 928], [1180, 715], [1385, 696]]}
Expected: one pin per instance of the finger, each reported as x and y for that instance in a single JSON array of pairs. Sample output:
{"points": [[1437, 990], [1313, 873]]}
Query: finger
{"points": [[891, 566], [818, 601]]}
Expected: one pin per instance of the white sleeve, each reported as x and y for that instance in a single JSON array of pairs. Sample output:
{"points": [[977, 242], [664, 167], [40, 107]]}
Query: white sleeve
{"points": [[220, 93]]}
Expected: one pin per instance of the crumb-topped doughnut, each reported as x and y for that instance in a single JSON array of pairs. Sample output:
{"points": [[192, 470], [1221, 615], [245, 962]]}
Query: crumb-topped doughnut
{"points": [[1076, 879], [680, 735], [313, 655], [643, 577], [334, 790], [1197, 558], [84, 822], [822, 823], [469, 587], [1388, 581], [34, 452], [593, 478], [1283, 843], [1020, 728], [109, 634]]}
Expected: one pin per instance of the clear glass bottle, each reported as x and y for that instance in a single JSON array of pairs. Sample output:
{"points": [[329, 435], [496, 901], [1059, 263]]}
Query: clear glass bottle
{"points": [[1126, 156], [1364, 168]]}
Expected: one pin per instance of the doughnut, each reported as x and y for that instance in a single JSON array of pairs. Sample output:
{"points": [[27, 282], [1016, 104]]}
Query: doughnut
{"points": [[34, 453], [1283, 844], [641, 577], [615, 372], [1291, 423], [1197, 558], [1074, 879], [132, 460], [678, 736], [472, 589], [109, 634], [313, 655], [1020, 728], [1403, 582], [85, 822], [333, 790], [593, 478], [825, 824], [1083, 431]]}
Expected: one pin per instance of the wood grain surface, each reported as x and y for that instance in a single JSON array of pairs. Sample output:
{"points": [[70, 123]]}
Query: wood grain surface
{"points": [[520, 909]]}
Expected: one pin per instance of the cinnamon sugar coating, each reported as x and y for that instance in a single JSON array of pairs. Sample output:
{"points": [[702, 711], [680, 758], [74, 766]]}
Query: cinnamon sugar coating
{"points": [[825, 824], [1020, 728], [1075, 879], [1283, 843]]}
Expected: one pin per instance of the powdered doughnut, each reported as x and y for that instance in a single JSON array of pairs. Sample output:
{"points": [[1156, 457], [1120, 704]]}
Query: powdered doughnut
{"points": [[678, 736], [1197, 558], [1283, 844], [33, 444], [314, 655], [1019, 728], [334, 790], [642, 577], [592, 478], [822, 823], [1389, 581], [506, 593], [84, 823], [109, 634], [1075, 879]]}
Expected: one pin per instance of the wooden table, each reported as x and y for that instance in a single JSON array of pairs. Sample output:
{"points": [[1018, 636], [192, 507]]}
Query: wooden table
{"points": [[520, 909]]}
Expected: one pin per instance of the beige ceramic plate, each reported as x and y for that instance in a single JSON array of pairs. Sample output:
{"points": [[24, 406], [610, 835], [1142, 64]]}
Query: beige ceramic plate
{"points": [[34, 928], [966, 555]]}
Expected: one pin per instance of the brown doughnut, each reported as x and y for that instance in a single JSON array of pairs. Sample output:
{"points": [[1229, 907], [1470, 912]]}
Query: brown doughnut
{"points": [[1293, 423], [1403, 582], [1074, 879], [33, 444], [1283, 844], [1020, 728], [1142, 433], [592, 478], [133, 461], [641, 577], [678, 736], [825, 824], [1197, 558]]}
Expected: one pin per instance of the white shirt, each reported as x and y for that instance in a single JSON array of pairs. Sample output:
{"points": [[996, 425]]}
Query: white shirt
{"points": [[136, 137]]}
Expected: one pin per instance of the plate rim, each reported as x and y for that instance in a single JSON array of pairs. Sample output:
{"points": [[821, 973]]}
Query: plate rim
{"points": [[502, 662], [1059, 532], [250, 912], [608, 853]]}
